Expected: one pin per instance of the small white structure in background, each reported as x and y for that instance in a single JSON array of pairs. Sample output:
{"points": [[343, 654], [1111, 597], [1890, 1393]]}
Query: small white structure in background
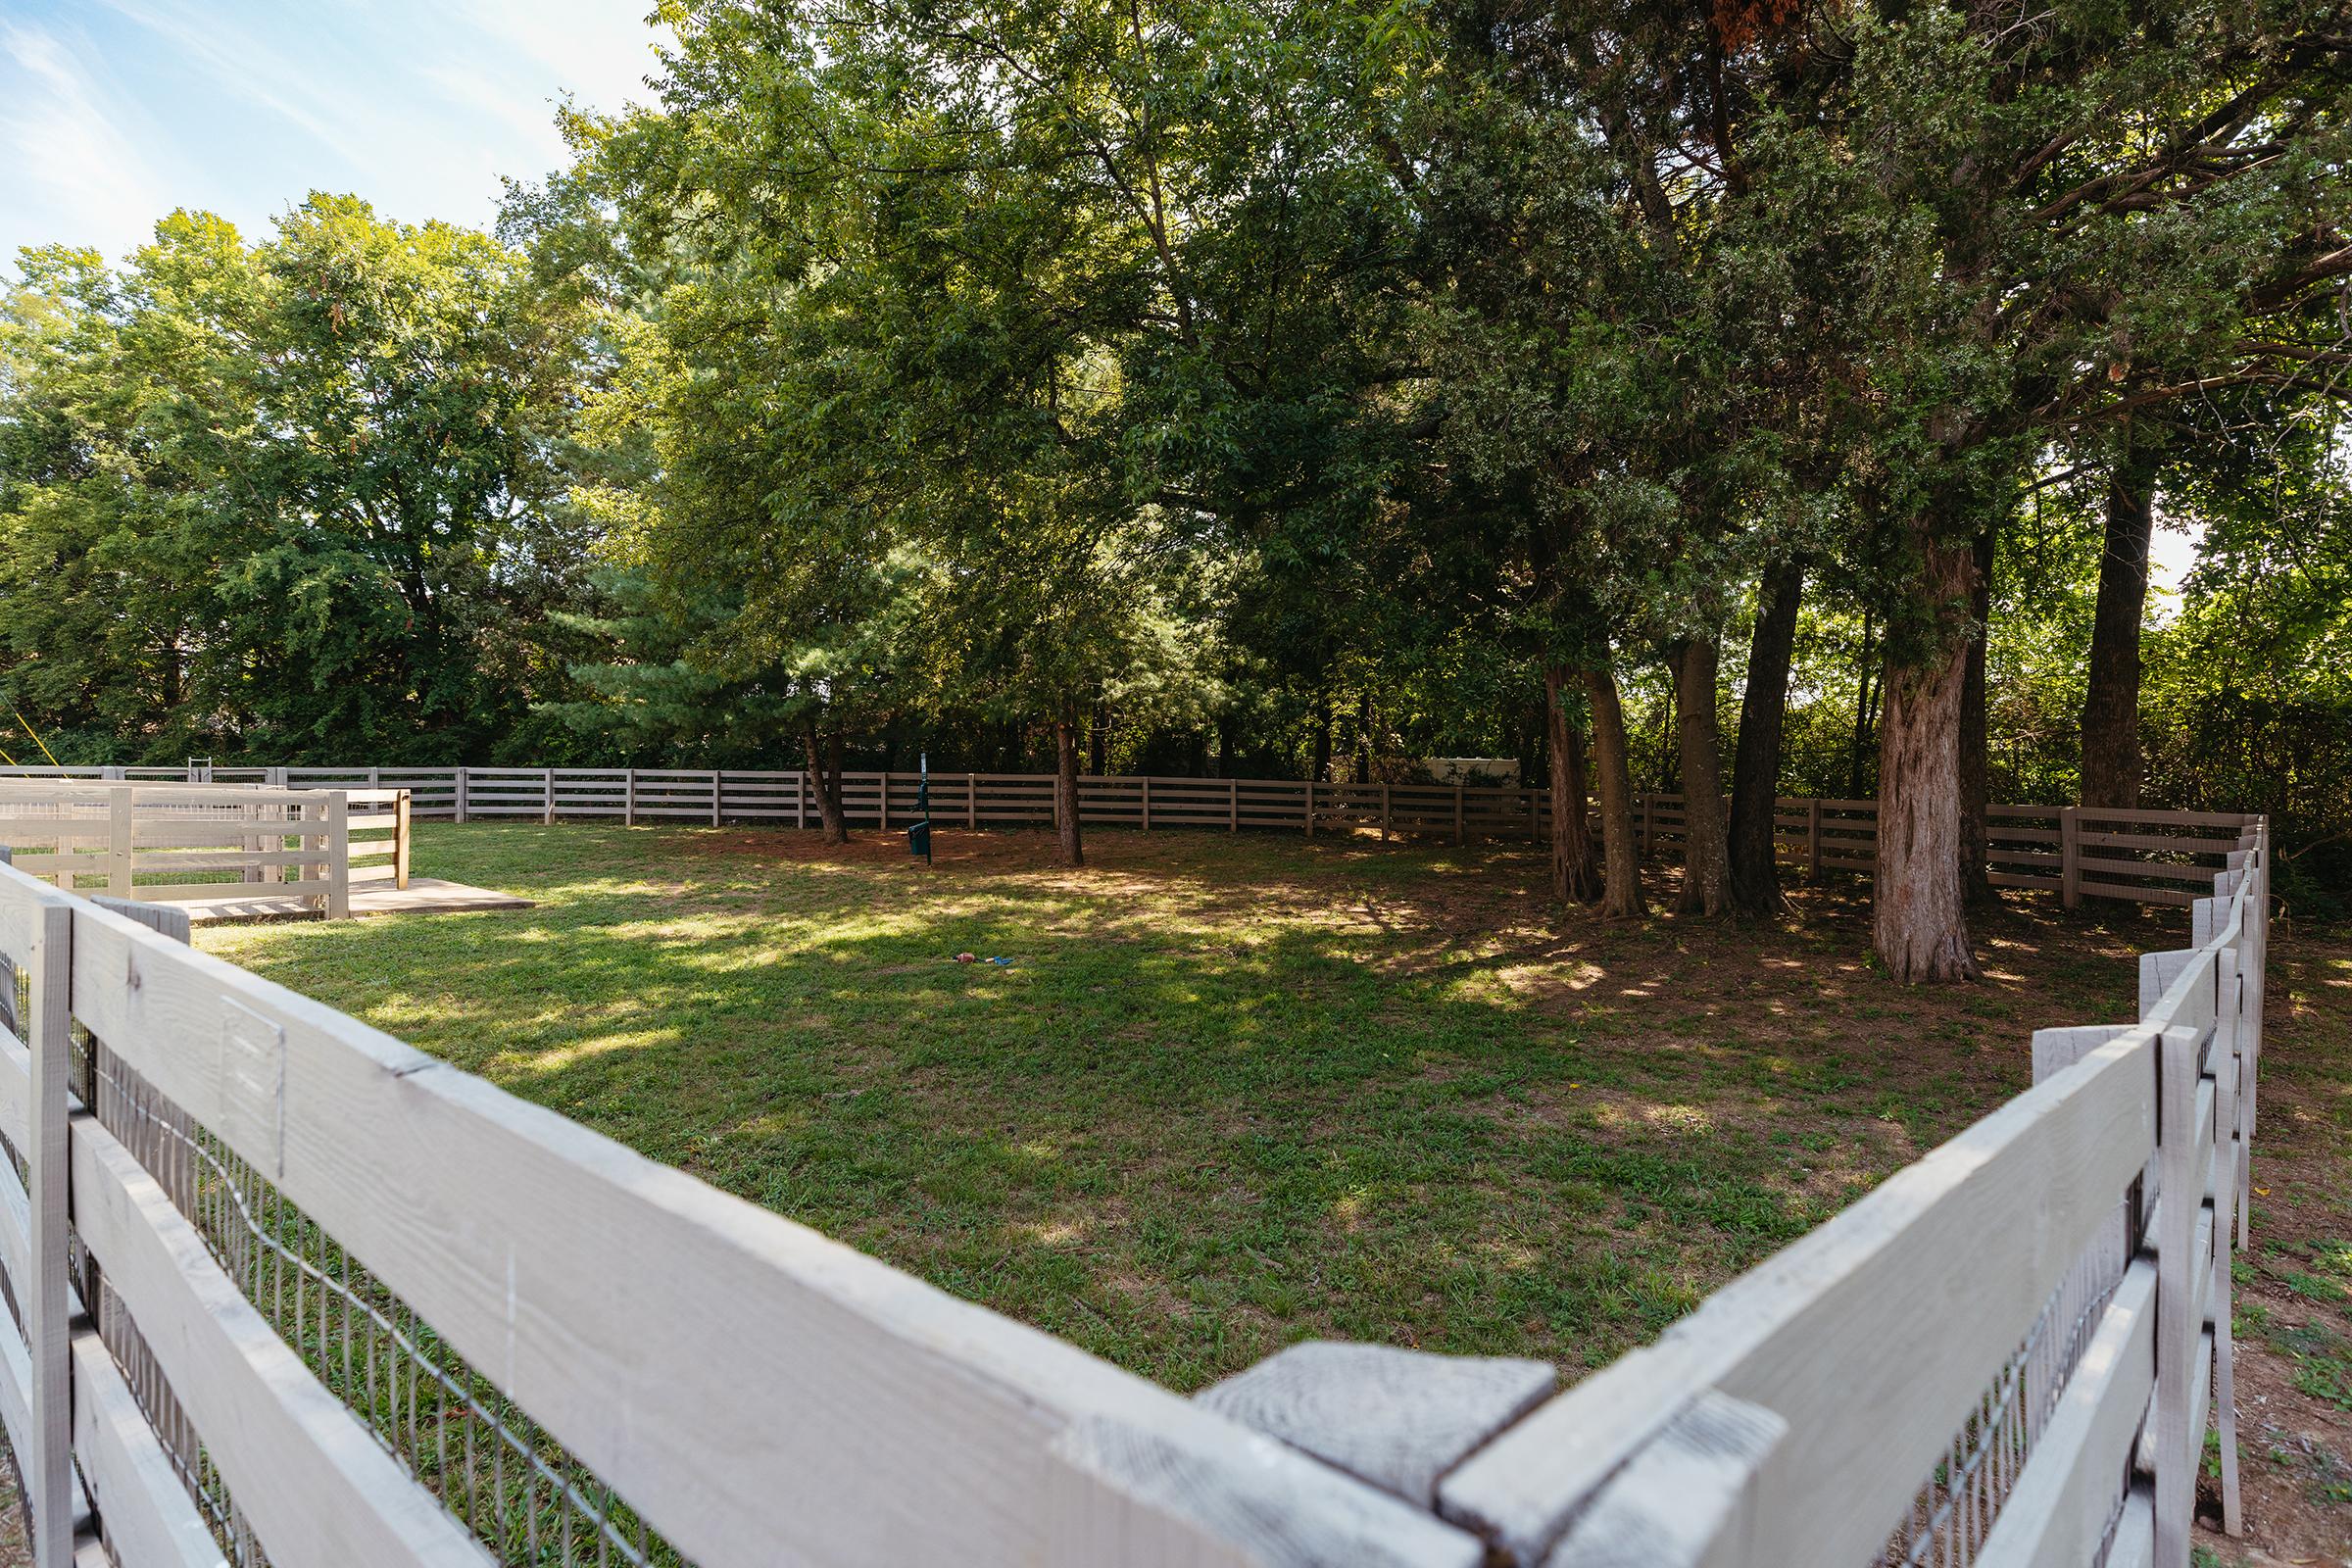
{"points": [[1477, 771]]}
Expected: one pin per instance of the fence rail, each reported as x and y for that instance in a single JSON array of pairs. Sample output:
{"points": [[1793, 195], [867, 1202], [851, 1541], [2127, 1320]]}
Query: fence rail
{"points": [[175, 843], [2137, 856], [2009, 1353]]}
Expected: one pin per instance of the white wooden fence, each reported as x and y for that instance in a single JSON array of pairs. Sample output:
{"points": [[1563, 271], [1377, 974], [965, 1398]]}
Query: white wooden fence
{"points": [[166, 843], [2008, 1354], [2137, 857]]}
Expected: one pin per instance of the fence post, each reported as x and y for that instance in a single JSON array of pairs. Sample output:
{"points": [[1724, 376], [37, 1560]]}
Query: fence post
{"points": [[1457, 814], [1310, 809], [800, 795], [883, 795], [1813, 839], [717, 780], [1147, 803], [49, 1470], [339, 856], [400, 840], [546, 789], [972, 800], [119, 849], [1384, 814], [1233, 806], [375, 778], [461, 794], [2070, 856], [628, 798], [2179, 1197]]}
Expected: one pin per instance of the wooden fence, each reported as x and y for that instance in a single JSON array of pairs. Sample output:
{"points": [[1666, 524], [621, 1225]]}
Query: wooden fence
{"points": [[2137, 857], [2008, 1354], [165, 843]]}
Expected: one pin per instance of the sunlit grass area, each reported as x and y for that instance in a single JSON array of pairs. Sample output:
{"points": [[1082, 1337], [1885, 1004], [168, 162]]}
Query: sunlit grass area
{"points": [[1230, 1092]]}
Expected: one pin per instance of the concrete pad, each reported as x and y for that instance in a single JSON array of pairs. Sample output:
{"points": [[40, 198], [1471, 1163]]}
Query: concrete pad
{"points": [[424, 895]]}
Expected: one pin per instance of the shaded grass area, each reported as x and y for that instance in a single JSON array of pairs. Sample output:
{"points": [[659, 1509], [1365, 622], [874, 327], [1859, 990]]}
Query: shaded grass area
{"points": [[1232, 1091]]}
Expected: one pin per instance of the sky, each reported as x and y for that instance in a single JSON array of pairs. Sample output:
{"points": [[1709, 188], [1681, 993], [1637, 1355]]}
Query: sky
{"points": [[113, 112]]}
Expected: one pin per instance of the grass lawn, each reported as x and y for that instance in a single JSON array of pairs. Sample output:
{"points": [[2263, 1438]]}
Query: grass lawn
{"points": [[1232, 1091]]}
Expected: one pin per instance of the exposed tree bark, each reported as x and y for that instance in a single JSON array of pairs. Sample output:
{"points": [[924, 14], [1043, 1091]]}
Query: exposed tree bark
{"points": [[1763, 719], [1976, 862], [825, 778], [1065, 792], [1699, 733], [1575, 868], [1919, 919], [2111, 759], [1621, 852]]}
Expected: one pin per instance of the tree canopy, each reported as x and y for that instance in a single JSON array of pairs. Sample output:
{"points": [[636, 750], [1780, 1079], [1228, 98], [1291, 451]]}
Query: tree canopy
{"points": [[1731, 397]]}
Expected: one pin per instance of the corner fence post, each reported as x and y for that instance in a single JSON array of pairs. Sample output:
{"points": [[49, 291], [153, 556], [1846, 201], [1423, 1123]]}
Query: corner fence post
{"points": [[2069, 857], [49, 1469]]}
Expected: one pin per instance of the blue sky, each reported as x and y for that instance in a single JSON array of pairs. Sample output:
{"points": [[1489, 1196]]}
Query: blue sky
{"points": [[114, 111]]}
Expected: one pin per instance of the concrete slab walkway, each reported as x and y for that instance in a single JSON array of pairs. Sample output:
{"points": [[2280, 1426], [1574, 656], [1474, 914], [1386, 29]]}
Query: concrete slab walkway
{"points": [[424, 895]]}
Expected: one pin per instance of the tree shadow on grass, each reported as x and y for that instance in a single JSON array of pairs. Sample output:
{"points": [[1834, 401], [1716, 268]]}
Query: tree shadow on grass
{"points": [[1230, 1092]]}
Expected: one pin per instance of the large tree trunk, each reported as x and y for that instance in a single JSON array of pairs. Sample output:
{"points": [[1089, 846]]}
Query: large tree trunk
{"points": [[1699, 733], [1756, 766], [1621, 894], [1065, 793], [1975, 848], [2111, 760], [825, 781], [1919, 919], [1575, 868]]}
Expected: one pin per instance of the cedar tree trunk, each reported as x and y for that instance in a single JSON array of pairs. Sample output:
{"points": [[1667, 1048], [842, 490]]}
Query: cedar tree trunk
{"points": [[1756, 766], [1065, 793], [1918, 920], [1575, 868], [2111, 707], [1698, 731], [1621, 895], [826, 780]]}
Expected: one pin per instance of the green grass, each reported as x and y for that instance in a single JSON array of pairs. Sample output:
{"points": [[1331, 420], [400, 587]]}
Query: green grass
{"points": [[1232, 1091]]}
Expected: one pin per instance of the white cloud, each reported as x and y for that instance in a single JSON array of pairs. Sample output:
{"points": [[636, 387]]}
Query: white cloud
{"points": [[78, 173]]}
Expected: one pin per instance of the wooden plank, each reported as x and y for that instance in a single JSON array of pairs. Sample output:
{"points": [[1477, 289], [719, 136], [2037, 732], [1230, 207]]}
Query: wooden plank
{"points": [[871, 1418], [1826, 1332], [2132, 895], [2176, 1447], [2200, 875], [2057, 1516], [1687, 1500], [1395, 1417], [47, 1462], [315, 1483], [150, 1521]]}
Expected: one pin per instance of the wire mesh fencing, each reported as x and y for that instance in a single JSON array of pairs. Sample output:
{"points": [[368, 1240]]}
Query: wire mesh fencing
{"points": [[528, 1502]]}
